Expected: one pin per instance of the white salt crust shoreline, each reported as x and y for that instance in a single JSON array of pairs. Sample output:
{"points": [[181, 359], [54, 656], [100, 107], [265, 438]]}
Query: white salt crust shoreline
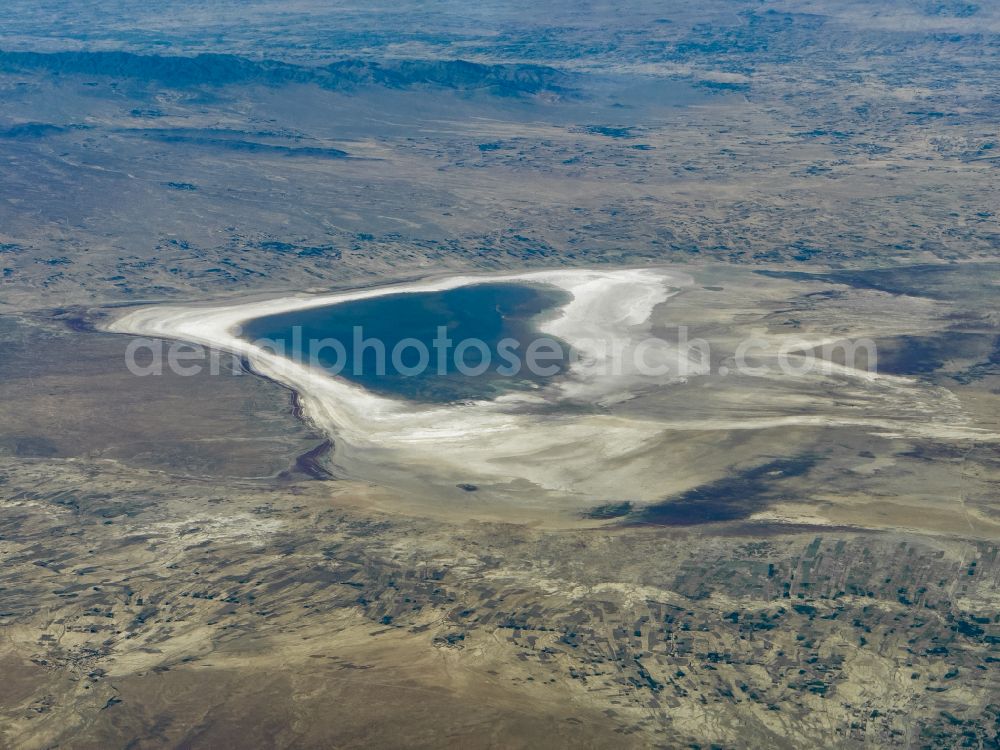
{"points": [[487, 441], [501, 443]]}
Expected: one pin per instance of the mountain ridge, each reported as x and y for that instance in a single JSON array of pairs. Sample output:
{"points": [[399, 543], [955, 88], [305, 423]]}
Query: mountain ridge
{"points": [[211, 69]]}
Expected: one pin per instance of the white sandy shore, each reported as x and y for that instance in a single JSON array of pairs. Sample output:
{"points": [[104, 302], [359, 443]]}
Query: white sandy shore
{"points": [[506, 443], [481, 441]]}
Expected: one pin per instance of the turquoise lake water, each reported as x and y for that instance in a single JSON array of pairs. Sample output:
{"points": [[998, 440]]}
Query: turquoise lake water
{"points": [[502, 316]]}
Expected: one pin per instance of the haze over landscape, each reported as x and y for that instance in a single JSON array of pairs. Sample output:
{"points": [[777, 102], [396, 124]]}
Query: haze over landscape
{"points": [[751, 499]]}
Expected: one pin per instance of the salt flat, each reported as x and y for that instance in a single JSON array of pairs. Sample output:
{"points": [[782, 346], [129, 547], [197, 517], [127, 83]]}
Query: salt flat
{"points": [[572, 444]]}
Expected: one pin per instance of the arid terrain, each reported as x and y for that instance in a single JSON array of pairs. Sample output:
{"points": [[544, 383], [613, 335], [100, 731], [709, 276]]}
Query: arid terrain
{"points": [[202, 562]]}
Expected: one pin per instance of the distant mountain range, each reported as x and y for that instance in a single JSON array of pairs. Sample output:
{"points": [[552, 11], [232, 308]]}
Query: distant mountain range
{"points": [[221, 70]]}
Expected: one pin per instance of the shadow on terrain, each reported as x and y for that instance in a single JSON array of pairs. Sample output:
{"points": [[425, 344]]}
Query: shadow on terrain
{"points": [[730, 499]]}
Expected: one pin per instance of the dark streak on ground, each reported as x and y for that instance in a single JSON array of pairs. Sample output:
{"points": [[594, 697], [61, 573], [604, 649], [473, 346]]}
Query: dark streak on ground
{"points": [[609, 510], [311, 462], [934, 280], [730, 499]]}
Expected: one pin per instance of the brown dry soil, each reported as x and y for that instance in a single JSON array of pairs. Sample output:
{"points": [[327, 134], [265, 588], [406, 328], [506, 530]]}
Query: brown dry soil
{"points": [[207, 594]]}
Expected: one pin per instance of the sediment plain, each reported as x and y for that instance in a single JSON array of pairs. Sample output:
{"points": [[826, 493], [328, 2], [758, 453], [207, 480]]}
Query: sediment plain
{"points": [[605, 431]]}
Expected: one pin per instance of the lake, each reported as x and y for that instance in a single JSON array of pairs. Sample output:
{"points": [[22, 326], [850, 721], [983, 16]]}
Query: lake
{"points": [[441, 346]]}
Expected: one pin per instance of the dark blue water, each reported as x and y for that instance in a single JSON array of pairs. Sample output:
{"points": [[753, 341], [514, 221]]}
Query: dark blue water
{"points": [[436, 337]]}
